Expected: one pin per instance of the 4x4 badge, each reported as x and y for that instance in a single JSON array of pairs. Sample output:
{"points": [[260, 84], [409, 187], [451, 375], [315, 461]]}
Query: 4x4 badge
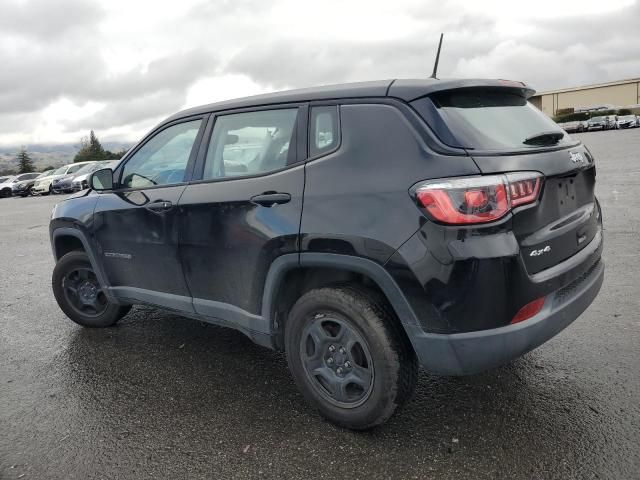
{"points": [[576, 157], [542, 251]]}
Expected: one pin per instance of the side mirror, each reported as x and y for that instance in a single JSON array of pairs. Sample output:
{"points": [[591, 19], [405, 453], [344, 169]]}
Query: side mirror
{"points": [[102, 180]]}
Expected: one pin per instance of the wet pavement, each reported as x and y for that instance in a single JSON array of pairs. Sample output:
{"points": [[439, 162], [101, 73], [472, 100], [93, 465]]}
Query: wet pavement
{"points": [[160, 396]]}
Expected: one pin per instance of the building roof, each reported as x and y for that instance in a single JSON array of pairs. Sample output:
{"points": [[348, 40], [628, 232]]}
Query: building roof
{"points": [[588, 87], [404, 89]]}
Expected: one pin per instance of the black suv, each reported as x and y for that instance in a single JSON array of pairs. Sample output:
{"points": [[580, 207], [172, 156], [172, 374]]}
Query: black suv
{"points": [[364, 229]]}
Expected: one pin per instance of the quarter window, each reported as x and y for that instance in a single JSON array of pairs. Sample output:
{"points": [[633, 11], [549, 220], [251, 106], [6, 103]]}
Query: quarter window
{"points": [[251, 143], [324, 130], [163, 159]]}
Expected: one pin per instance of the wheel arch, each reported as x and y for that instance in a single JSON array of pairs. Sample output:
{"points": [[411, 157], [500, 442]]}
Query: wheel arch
{"points": [[311, 270], [66, 239]]}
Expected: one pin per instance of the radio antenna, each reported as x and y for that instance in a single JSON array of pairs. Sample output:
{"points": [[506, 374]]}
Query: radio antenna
{"points": [[435, 65]]}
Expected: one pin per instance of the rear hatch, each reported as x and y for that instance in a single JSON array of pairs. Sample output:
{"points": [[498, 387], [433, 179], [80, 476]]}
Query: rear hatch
{"points": [[503, 132]]}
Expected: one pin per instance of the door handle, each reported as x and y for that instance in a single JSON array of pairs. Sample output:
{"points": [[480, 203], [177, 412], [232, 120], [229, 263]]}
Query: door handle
{"points": [[269, 199], [159, 206]]}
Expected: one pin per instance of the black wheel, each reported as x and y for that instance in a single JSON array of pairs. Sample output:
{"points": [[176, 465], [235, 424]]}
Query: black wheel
{"points": [[349, 357], [79, 294]]}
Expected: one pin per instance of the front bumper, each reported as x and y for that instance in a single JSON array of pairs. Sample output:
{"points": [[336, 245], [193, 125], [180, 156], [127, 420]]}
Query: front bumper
{"points": [[473, 352], [61, 188]]}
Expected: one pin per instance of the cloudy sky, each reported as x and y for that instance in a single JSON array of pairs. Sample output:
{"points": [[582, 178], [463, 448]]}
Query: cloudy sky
{"points": [[120, 66]]}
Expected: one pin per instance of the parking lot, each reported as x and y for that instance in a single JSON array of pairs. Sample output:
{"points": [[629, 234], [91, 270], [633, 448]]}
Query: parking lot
{"points": [[161, 396]]}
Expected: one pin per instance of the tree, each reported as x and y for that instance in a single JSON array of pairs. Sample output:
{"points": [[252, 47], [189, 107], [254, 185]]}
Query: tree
{"points": [[25, 164], [90, 150], [115, 155]]}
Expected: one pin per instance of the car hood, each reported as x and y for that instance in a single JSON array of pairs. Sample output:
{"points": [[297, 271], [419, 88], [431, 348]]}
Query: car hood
{"points": [[50, 177], [81, 193], [63, 178]]}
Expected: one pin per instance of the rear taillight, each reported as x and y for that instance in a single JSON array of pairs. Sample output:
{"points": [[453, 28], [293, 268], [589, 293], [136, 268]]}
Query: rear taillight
{"points": [[463, 201]]}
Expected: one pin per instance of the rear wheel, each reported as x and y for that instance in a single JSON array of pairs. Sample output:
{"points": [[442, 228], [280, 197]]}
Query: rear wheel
{"points": [[79, 294], [348, 356]]}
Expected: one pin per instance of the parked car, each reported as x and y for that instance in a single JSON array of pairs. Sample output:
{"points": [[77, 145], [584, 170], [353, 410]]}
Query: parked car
{"points": [[573, 127], [5, 185], [598, 123], [22, 186], [80, 180], [628, 121], [44, 185], [64, 184], [447, 223]]}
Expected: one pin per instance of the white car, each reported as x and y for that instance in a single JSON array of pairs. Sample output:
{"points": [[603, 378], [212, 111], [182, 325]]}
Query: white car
{"points": [[628, 121], [6, 181], [43, 186], [81, 181]]}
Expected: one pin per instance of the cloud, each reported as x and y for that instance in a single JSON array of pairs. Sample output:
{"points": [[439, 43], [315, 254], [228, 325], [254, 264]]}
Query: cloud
{"points": [[137, 62], [46, 19]]}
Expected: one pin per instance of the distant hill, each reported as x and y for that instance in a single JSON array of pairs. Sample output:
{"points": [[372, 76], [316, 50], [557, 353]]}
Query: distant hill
{"points": [[48, 155]]}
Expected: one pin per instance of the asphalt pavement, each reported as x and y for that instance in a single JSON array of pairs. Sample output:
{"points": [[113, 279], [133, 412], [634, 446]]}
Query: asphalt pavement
{"points": [[160, 396]]}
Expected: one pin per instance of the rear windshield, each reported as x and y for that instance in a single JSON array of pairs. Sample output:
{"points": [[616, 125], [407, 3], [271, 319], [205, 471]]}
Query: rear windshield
{"points": [[490, 119]]}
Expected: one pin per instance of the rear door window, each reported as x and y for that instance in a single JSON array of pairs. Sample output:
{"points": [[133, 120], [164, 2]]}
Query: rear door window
{"points": [[251, 143], [489, 119]]}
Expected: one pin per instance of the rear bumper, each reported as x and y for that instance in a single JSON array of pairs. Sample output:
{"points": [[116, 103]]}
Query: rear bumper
{"points": [[472, 352]]}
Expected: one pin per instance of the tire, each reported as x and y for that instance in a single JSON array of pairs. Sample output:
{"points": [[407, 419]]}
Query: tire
{"points": [[380, 357], [89, 306]]}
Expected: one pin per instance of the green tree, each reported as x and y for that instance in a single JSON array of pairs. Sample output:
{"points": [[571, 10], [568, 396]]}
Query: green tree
{"points": [[114, 155], [90, 149], [25, 164]]}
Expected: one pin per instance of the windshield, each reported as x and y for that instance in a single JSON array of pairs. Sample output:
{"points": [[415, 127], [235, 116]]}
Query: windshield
{"points": [[494, 119], [627, 117], [596, 119], [44, 174], [60, 171], [88, 168]]}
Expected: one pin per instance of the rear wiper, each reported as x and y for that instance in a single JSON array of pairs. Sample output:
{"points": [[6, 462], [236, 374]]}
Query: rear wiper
{"points": [[544, 138]]}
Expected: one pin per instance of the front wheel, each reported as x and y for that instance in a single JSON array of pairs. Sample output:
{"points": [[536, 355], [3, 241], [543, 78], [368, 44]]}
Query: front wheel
{"points": [[79, 294], [349, 357]]}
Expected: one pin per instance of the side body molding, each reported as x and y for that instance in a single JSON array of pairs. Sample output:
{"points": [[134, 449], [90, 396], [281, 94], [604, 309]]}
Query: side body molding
{"points": [[260, 328]]}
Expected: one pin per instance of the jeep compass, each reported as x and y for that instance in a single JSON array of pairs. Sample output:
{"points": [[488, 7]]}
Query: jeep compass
{"points": [[364, 229]]}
